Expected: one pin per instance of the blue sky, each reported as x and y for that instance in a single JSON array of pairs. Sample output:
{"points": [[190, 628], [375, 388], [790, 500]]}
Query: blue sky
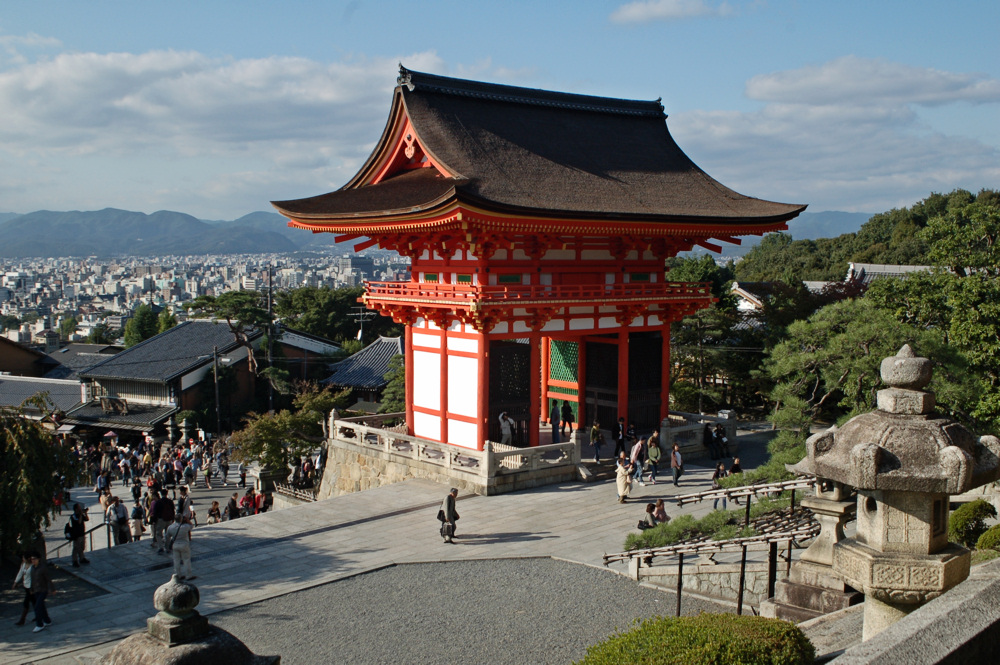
{"points": [[215, 108]]}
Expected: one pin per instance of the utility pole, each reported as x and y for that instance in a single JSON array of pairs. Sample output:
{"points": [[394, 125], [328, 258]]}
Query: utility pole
{"points": [[360, 314]]}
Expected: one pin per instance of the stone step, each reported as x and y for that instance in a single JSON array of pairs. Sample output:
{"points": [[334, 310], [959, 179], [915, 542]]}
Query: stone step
{"points": [[776, 610], [813, 598]]}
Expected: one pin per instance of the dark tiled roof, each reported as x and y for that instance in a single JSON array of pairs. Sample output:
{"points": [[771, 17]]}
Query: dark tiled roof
{"points": [[140, 417], [74, 358], [64, 395], [527, 150], [367, 367], [168, 355]]}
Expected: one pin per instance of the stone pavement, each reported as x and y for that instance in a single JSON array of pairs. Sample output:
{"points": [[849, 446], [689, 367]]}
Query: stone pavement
{"points": [[253, 559]]}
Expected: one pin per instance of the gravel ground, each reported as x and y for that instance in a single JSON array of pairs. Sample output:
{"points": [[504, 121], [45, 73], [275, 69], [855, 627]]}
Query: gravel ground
{"points": [[499, 611]]}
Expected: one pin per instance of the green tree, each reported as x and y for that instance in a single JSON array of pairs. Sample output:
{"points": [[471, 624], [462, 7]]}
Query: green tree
{"points": [[141, 326], [394, 395], [276, 439], [9, 322], [166, 321], [100, 334], [241, 310], [31, 464], [328, 313], [67, 327]]}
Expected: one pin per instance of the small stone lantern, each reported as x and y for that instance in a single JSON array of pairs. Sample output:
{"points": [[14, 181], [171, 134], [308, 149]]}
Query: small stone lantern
{"points": [[904, 459]]}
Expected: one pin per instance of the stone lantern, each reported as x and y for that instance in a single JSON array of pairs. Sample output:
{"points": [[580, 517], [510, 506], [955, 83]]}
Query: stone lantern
{"points": [[904, 460]]}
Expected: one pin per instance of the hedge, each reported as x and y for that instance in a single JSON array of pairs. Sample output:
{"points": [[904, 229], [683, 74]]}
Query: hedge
{"points": [[717, 525], [990, 540], [968, 522], [706, 639]]}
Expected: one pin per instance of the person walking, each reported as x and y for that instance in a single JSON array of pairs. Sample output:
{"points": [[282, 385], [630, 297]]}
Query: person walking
{"points": [[179, 544], [117, 518], [448, 516], [41, 586], [242, 470], [596, 439], [653, 453], [554, 416], [506, 429], [24, 578], [708, 440], [676, 464], [720, 472], [620, 437], [161, 515], [567, 418], [137, 519], [224, 469], [623, 478], [638, 457], [77, 533]]}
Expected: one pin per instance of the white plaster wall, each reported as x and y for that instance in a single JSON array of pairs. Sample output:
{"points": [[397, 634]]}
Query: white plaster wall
{"points": [[521, 327], [554, 325], [560, 255], [464, 344], [463, 393], [501, 328], [427, 380], [595, 255], [607, 322], [430, 341], [426, 426], [461, 433], [581, 324]]}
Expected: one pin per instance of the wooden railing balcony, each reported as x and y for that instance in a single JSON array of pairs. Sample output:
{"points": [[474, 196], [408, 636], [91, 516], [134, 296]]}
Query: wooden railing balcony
{"points": [[527, 294]]}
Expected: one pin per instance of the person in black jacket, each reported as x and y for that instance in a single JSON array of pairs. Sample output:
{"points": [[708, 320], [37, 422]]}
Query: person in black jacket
{"points": [[448, 516], [620, 437], [77, 533]]}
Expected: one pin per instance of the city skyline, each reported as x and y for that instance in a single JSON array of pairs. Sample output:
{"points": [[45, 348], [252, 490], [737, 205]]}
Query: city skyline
{"points": [[215, 111]]}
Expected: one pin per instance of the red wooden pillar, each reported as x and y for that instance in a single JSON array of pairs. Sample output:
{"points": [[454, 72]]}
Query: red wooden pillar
{"points": [[408, 373], [546, 352], [665, 374], [623, 375], [581, 381], [484, 391], [534, 418], [444, 384]]}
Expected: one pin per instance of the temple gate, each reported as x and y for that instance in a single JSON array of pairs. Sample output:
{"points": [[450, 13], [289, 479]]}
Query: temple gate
{"points": [[537, 224]]}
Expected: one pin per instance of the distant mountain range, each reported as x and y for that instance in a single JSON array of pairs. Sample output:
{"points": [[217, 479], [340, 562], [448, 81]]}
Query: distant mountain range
{"points": [[112, 232]]}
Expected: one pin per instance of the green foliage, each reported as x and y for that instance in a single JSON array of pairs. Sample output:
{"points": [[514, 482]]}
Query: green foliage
{"points": [[394, 395], [31, 463], [166, 321], [990, 540], [703, 269], [276, 439], [141, 326], [100, 334], [192, 417], [9, 322], [327, 313], [706, 639], [67, 327], [832, 359], [982, 556], [968, 522], [717, 525], [241, 310]]}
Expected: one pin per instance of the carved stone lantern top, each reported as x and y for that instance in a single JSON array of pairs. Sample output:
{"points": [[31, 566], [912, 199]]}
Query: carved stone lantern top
{"points": [[904, 445]]}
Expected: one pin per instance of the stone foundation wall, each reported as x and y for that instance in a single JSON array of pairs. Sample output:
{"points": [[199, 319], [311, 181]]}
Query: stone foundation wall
{"points": [[714, 580], [284, 501], [351, 468]]}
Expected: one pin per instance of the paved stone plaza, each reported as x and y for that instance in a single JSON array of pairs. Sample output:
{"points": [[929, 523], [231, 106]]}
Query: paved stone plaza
{"points": [[255, 559]]}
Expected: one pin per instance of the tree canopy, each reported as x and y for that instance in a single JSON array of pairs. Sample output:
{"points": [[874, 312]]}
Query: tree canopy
{"points": [[243, 311], [32, 461], [141, 326], [328, 313]]}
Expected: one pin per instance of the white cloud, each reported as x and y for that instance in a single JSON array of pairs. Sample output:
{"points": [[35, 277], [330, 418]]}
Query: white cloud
{"points": [[645, 11], [870, 82], [844, 135]]}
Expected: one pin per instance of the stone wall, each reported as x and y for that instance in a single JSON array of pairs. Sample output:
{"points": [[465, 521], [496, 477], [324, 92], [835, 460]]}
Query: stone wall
{"points": [[351, 468], [720, 580]]}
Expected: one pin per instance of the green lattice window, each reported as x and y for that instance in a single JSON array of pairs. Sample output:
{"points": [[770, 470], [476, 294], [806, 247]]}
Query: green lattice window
{"points": [[563, 360], [639, 277], [464, 279], [509, 279], [431, 277]]}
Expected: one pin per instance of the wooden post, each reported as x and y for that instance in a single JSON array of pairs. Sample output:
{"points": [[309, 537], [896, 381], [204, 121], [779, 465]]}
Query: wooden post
{"points": [[746, 520], [680, 581], [788, 558], [743, 573], [772, 567]]}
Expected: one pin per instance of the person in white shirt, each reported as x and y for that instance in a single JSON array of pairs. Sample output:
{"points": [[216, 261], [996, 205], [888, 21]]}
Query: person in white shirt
{"points": [[178, 537], [506, 430]]}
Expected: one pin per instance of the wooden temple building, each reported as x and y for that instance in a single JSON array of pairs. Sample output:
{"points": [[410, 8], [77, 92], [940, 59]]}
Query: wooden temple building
{"points": [[537, 224]]}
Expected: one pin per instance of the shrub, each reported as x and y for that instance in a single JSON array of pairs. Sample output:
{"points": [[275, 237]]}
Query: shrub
{"points": [[968, 522], [990, 540], [717, 525], [705, 639]]}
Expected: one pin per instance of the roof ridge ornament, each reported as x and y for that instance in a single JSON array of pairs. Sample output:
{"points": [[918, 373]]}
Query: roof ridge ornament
{"points": [[405, 77]]}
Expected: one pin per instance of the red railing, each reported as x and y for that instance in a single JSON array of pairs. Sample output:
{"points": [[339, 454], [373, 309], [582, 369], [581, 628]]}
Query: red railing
{"points": [[523, 293]]}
